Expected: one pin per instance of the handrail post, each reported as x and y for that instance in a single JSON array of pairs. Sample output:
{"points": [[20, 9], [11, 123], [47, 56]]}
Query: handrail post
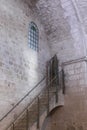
{"points": [[13, 126], [38, 116], [27, 119], [51, 70], [56, 90], [48, 99], [47, 85], [63, 81], [57, 80]]}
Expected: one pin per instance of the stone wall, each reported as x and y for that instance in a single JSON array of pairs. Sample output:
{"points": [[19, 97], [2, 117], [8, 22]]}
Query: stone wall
{"points": [[65, 25], [21, 68], [82, 8], [63, 28], [76, 75], [72, 116]]}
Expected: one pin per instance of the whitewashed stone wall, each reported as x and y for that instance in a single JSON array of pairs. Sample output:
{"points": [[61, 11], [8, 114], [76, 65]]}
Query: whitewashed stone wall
{"points": [[21, 68], [76, 76], [65, 31], [82, 7], [65, 35]]}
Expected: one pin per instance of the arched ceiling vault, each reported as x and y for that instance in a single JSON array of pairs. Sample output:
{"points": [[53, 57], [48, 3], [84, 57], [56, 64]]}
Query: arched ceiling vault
{"points": [[52, 17]]}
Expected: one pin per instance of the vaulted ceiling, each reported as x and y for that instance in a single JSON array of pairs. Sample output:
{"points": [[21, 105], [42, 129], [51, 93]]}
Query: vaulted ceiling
{"points": [[52, 17]]}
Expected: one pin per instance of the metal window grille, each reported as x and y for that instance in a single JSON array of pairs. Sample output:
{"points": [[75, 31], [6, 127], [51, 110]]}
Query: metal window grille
{"points": [[33, 36]]}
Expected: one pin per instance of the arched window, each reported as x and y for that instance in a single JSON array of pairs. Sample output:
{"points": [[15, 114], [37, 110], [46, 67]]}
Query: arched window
{"points": [[33, 36]]}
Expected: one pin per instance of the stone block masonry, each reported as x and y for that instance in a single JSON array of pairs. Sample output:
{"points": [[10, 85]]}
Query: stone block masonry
{"points": [[76, 75], [65, 35], [21, 68], [73, 115]]}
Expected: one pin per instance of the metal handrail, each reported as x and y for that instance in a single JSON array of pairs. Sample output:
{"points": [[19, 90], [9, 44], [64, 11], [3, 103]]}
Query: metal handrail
{"points": [[31, 102], [21, 100]]}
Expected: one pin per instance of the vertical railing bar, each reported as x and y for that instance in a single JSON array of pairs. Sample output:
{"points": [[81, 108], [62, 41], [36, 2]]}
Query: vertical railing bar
{"points": [[60, 81], [13, 126], [51, 70], [57, 78], [27, 119], [47, 82], [38, 116], [47, 74], [56, 91], [48, 100], [63, 81]]}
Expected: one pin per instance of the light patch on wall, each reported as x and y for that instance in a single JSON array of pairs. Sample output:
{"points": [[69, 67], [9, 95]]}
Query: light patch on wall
{"points": [[32, 73]]}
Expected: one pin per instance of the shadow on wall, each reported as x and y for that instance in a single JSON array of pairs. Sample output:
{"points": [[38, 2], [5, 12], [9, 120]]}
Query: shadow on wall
{"points": [[31, 3], [51, 122], [47, 122]]}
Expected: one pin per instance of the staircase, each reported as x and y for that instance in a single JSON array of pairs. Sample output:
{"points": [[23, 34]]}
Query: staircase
{"points": [[34, 114]]}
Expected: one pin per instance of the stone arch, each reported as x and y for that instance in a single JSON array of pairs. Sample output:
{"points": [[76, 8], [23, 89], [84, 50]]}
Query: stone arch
{"points": [[47, 119]]}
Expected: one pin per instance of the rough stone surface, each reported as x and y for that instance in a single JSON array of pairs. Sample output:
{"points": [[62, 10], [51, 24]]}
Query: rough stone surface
{"points": [[73, 115], [65, 34], [75, 75], [21, 68]]}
